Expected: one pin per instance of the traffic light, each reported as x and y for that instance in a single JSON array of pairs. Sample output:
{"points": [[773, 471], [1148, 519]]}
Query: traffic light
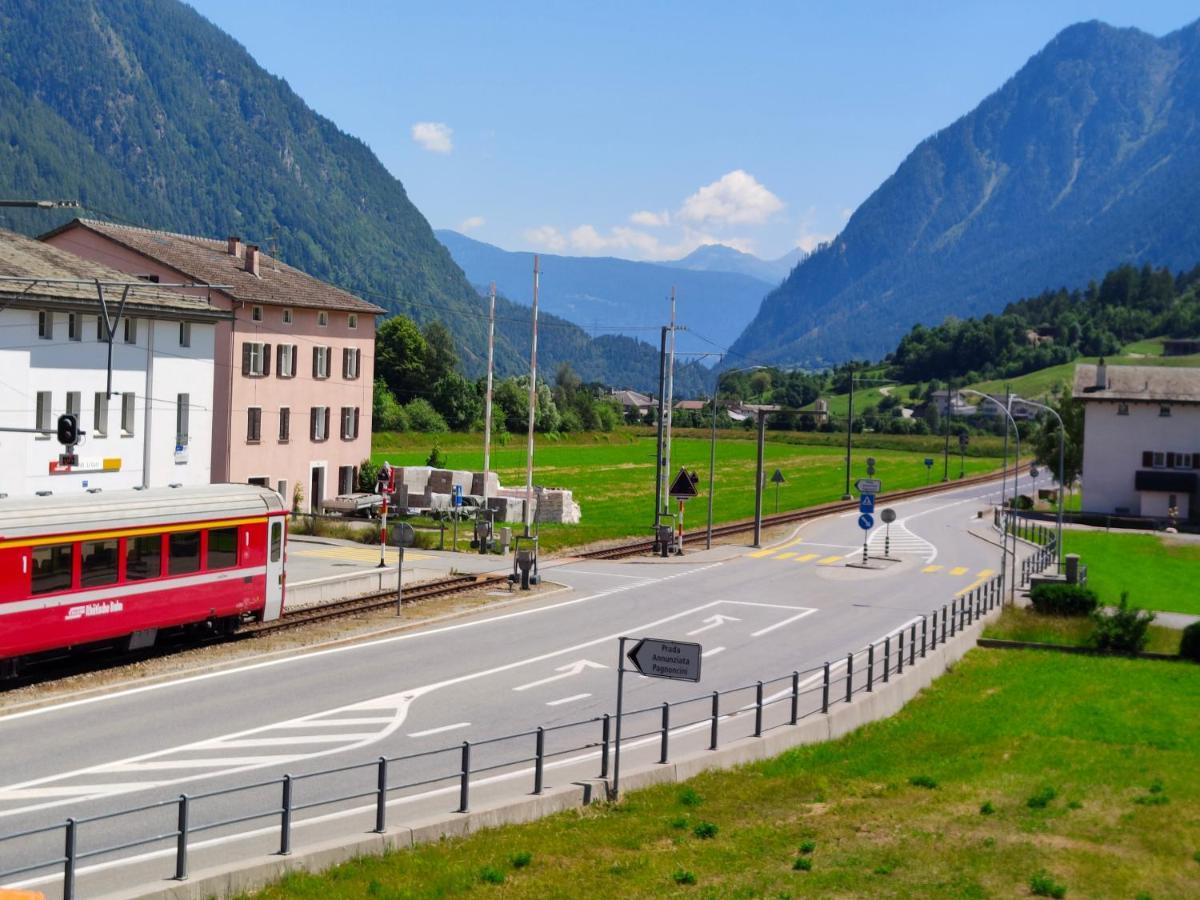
{"points": [[68, 430]]}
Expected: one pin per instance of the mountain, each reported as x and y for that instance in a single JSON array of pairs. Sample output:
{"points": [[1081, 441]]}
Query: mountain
{"points": [[1087, 158], [720, 258], [145, 111], [630, 297]]}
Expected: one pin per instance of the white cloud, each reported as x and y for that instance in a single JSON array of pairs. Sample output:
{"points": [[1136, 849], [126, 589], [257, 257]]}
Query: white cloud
{"points": [[736, 198], [436, 137], [847, 213], [623, 241], [649, 219], [546, 237], [471, 223]]}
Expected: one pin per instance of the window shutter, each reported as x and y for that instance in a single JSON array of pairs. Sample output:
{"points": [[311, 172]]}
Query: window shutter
{"points": [[1170, 459], [295, 360], [312, 424], [355, 423], [345, 362], [357, 363], [1147, 458], [316, 353], [246, 358], [328, 361], [1196, 459], [279, 360], [328, 422], [266, 359]]}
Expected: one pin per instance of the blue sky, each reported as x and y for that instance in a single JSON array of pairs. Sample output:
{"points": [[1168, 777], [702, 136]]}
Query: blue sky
{"points": [[644, 129]]}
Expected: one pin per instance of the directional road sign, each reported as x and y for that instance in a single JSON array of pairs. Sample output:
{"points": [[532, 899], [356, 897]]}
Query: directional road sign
{"points": [[866, 503], [659, 658], [866, 521], [684, 485], [868, 485], [929, 462], [777, 478], [888, 515]]}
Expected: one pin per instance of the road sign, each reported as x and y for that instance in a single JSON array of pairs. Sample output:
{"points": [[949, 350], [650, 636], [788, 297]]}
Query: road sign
{"points": [[659, 658], [1033, 471], [684, 485], [963, 440], [866, 521], [868, 485], [866, 503], [777, 478], [458, 495], [888, 515], [403, 535], [929, 462], [870, 465]]}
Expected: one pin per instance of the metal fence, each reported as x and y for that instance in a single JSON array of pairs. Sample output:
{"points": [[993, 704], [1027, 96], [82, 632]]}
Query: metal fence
{"points": [[762, 706]]}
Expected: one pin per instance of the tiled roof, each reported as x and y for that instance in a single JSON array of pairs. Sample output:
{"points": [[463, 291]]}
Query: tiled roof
{"points": [[208, 260], [1153, 384], [23, 257]]}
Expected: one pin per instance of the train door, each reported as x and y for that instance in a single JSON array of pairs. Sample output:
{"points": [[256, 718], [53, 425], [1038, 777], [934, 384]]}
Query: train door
{"points": [[275, 559]]}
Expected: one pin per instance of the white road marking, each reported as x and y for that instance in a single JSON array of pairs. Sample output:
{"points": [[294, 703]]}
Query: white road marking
{"points": [[566, 671], [570, 699], [713, 622], [789, 621], [713, 652], [440, 730], [610, 575]]}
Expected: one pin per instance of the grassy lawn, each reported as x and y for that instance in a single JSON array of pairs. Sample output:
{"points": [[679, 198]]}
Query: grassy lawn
{"points": [[1043, 382], [612, 476], [1069, 631], [1083, 770], [1157, 573]]}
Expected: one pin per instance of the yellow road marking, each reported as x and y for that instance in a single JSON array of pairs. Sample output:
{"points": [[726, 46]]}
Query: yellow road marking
{"points": [[806, 557], [959, 570], [829, 559], [767, 551], [934, 568], [784, 556], [984, 575]]}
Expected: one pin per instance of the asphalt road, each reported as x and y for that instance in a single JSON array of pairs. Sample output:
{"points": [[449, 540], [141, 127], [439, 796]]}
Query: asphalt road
{"points": [[551, 661]]}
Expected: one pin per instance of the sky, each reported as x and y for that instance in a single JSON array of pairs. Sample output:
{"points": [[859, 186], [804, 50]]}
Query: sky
{"points": [[643, 130]]}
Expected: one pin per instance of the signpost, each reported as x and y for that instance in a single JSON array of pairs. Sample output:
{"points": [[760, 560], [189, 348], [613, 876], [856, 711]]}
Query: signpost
{"points": [[866, 503], [928, 468], [868, 486], [403, 536], [683, 488], [777, 479], [888, 516], [457, 498], [653, 658]]}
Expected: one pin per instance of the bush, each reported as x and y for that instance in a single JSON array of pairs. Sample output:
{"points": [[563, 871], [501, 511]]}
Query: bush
{"points": [[923, 781], [521, 860], [987, 808], [435, 459], [1063, 599], [491, 875], [705, 830], [1189, 645], [423, 417], [689, 797], [1042, 885], [808, 847], [802, 864], [1124, 629], [683, 876], [1042, 798]]}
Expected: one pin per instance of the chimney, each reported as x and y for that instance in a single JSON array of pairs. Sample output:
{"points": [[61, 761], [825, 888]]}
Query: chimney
{"points": [[252, 259], [1101, 375], [235, 245]]}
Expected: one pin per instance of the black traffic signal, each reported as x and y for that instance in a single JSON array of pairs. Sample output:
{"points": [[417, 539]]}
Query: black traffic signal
{"points": [[68, 430]]}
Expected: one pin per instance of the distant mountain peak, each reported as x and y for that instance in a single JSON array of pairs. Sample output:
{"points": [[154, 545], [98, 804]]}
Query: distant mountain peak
{"points": [[717, 257]]}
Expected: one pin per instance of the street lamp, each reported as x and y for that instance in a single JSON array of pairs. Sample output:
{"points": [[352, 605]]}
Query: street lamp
{"points": [[850, 421], [1004, 407], [1062, 436]]}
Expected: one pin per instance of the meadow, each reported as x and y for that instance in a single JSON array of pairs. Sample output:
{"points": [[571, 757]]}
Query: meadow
{"points": [[1158, 572]]}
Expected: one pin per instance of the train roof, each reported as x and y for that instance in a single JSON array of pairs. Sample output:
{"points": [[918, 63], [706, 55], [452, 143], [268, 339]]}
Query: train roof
{"points": [[23, 517]]}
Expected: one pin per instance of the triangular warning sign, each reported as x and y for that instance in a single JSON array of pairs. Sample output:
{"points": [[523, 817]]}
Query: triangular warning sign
{"points": [[683, 486]]}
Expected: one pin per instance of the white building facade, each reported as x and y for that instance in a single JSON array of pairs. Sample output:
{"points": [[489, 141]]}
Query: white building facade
{"points": [[1141, 440]]}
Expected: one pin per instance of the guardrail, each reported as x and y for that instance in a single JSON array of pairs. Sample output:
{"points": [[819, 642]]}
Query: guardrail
{"points": [[815, 690]]}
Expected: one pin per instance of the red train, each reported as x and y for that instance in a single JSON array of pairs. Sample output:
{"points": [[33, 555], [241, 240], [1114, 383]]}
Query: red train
{"points": [[121, 566]]}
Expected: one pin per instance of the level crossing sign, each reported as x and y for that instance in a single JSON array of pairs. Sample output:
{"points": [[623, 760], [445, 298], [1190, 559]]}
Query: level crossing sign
{"points": [[684, 485]]}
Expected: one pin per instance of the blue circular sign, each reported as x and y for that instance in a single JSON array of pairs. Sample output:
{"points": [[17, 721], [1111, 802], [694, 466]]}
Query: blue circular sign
{"points": [[866, 521]]}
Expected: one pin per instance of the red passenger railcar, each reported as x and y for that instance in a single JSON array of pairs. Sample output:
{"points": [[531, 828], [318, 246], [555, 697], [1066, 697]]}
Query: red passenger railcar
{"points": [[121, 566]]}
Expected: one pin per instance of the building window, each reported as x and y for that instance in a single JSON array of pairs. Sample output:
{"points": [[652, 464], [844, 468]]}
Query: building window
{"points": [[285, 424], [183, 552], [259, 481], [1183, 460], [256, 359], [1164, 412], [43, 412], [351, 360], [352, 320], [46, 325], [318, 423], [256, 314], [345, 479], [321, 362], [143, 557], [52, 568], [100, 415], [131, 331], [182, 407], [349, 423], [1158, 459], [101, 329], [222, 548], [287, 317], [254, 425], [281, 488], [128, 413], [322, 319], [285, 364], [74, 326], [185, 334], [74, 404], [1122, 409], [97, 563]]}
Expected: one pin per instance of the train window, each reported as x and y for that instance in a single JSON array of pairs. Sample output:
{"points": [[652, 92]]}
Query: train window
{"points": [[276, 541], [222, 548], [183, 552], [143, 557], [52, 568], [97, 563]]}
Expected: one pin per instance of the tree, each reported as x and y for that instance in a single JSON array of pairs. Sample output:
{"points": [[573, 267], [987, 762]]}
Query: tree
{"points": [[400, 358], [441, 359], [458, 401], [386, 413], [1045, 439]]}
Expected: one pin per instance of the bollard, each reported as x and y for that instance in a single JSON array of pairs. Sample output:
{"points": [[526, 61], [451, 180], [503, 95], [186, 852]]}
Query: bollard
{"points": [[900, 654], [381, 780], [924, 633], [539, 759], [69, 862], [181, 845], [605, 727], [285, 822], [464, 787], [716, 715], [825, 691], [849, 676], [870, 668], [758, 709], [664, 748], [887, 658], [795, 697]]}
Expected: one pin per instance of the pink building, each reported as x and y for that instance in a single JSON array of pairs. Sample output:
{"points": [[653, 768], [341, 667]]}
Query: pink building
{"points": [[293, 370]]}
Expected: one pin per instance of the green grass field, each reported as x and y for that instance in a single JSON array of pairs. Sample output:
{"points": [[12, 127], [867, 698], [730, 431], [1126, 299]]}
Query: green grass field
{"points": [[1043, 382], [1158, 573], [1080, 772], [612, 476], [1069, 631]]}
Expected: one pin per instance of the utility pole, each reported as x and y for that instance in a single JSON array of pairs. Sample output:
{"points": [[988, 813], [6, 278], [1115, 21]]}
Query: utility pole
{"points": [[487, 412], [667, 409], [532, 404], [849, 430], [659, 459]]}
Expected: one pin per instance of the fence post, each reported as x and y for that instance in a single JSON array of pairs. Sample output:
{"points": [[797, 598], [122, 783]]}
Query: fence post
{"points": [[870, 667], [539, 761], [933, 638], [181, 845], [849, 676], [887, 658], [953, 617], [758, 709], [664, 751], [605, 728], [716, 715], [969, 603], [924, 633], [912, 644], [69, 862], [943, 623], [900, 655], [381, 780], [795, 697], [285, 819], [464, 786], [825, 689]]}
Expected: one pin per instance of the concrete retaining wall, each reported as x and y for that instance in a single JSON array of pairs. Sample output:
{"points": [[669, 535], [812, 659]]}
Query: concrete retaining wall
{"points": [[885, 700]]}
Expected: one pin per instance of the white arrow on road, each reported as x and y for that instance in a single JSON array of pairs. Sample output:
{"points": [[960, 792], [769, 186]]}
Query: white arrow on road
{"points": [[713, 622], [575, 668]]}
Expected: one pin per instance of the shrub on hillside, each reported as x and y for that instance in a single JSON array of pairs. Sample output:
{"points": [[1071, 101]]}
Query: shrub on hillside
{"points": [[1189, 645], [423, 417], [1063, 599], [1124, 629]]}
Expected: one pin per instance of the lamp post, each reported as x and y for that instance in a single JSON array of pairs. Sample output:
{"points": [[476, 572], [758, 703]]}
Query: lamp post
{"points": [[1062, 437], [1016, 476]]}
